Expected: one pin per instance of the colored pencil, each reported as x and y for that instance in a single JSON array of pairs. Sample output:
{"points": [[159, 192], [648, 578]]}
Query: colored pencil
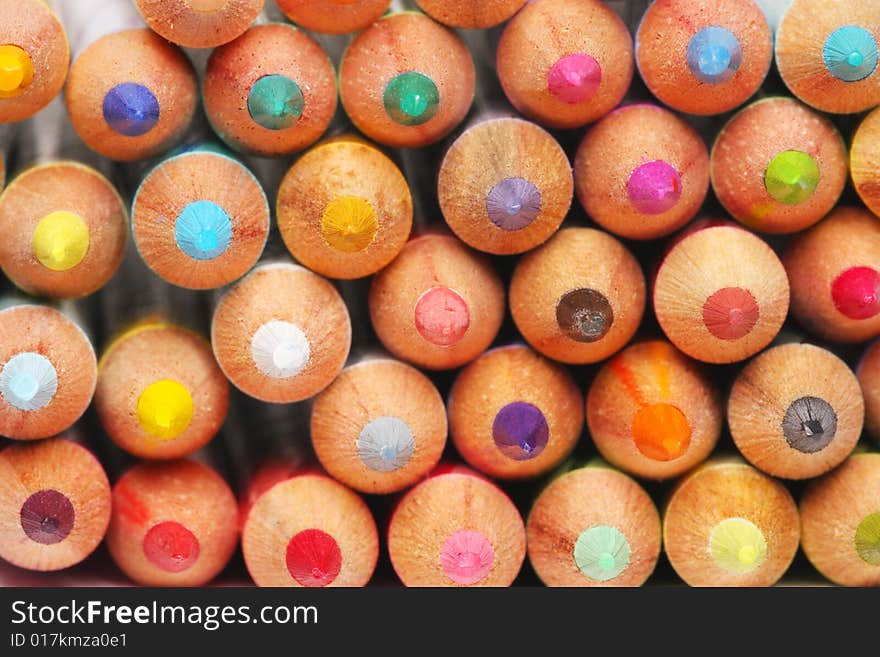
{"points": [[456, 529], [34, 58], [777, 166], [6, 137], [379, 427], [173, 524], [653, 412], [796, 411], [356, 215], [160, 394], [712, 307], [269, 472], [505, 185], [864, 164], [310, 531], [406, 81], [333, 16], [65, 229], [438, 305], [271, 91], [281, 334], [199, 23], [565, 63], [131, 95], [827, 54], [471, 14], [834, 269], [868, 373], [514, 414], [593, 526], [641, 172], [722, 52], [200, 219], [579, 298], [47, 372], [840, 522], [54, 504], [727, 524]]}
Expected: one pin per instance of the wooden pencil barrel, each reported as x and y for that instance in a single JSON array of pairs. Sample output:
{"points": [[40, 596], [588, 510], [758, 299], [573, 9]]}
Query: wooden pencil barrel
{"points": [[281, 334], [579, 298], [66, 230], [456, 529], [654, 412], [344, 209], [34, 57], [840, 520], [727, 524], [438, 305], [48, 372], [271, 91], [310, 531], [505, 186], [199, 23], [826, 53], [131, 95], [796, 411], [160, 395], [593, 526], [54, 504], [406, 81], [173, 524], [379, 427], [513, 414], [709, 305], [565, 63], [834, 269]]}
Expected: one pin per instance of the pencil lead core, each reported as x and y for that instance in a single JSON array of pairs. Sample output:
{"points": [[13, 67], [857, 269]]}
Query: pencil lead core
{"points": [[171, 546], [28, 381], [867, 539], [165, 409], [442, 316], [574, 78], [584, 315], [856, 292], [275, 102], [513, 203], [411, 98], [737, 545], [791, 177], [60, 240], [809, 424], [730, 313], [654, 187], [467, 557], [203, 230], [385, 444], [16, 70], [661, 432], [47, 517], [601, 553], [520, 431], [131, 109], [280, 350], [313, 558], [349, 224], [714, 55], [850, 53]]}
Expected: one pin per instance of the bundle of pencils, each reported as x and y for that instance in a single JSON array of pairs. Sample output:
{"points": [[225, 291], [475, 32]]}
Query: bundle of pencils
{"points": [[259, 261]]}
